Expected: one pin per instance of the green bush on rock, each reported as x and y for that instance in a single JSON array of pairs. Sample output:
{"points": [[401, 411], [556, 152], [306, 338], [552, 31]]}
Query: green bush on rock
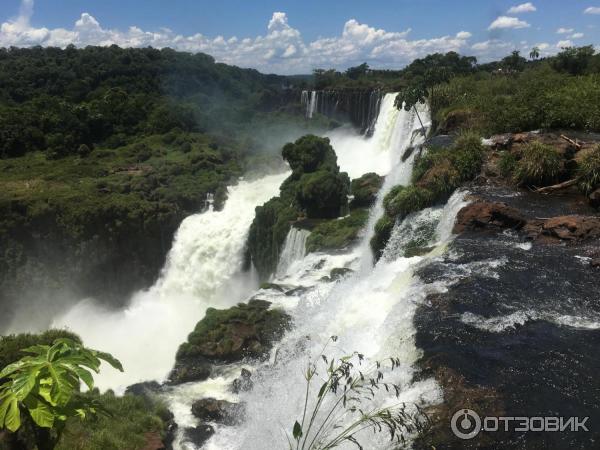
{"points": [[337, 233], [245, 330], [365, 189], [437, 173], [540, 165], [316, 189], [589, 170]]}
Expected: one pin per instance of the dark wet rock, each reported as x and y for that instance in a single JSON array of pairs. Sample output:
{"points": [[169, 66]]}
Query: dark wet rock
{"points": [[365, 189], [220, 411], [441, 140], [245, 330], [594, 198], [190, 369], [243, 383], [488, 215], [595, 263], [199, 435], [275, 287], [296, 291], [339, 272], [144, 389]]}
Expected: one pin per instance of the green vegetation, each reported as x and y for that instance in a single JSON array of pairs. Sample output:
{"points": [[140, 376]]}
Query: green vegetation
{"points": [[364, 190], [103, 151], [231, 334], [315, 190], [342, 407], [82, 421], [132, 422], [437, 173], [589, 171], [337, 233], [43, 385], [540, 165]]}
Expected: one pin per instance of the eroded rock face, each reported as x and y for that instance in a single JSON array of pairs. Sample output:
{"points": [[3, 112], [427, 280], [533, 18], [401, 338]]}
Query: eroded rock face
{"points": [[488, 215], [220, 411], [198, 435], [572, 228], [495, 216]]}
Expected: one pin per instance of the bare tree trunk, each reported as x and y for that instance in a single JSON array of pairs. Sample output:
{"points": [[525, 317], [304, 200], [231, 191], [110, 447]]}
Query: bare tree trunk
{"points": [[556, 187]]}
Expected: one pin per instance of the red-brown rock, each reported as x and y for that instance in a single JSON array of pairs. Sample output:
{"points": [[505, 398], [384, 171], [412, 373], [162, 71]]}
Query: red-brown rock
{"points": [[572, 228], [488, 215]]}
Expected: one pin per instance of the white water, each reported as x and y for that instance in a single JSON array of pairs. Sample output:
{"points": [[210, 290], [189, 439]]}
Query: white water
{"points": [[371, 311], [294, 249], [205, 260]]}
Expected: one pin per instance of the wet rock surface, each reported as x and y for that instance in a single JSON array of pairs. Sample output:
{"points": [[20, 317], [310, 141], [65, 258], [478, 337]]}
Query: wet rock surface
{"points": [[220, 411], [513, 325]]}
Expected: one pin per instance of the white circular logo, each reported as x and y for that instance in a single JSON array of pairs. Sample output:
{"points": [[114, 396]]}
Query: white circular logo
{"points": [[465, 424]]}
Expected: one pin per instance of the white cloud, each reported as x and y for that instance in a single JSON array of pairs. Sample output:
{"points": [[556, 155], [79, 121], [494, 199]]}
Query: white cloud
{"points": [[281, 49], [592, 10], [564, 30], [563, 44], [522, 8], [576, 36], [503, 22]]}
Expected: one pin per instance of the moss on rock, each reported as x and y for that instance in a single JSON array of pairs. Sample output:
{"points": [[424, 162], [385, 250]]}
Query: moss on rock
{"points": [[337, 233], [365, 189], [316, 189], [245, 330]]}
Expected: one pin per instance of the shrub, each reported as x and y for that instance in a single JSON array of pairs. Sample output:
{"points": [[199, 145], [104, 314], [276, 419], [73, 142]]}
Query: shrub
{"points": [[337, 233], [589, 171], [467, 155], [403, 200], [383, 231], [539, 166], [507, 164]]}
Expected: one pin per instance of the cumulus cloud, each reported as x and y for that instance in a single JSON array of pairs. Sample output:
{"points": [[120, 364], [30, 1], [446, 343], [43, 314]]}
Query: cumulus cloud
{"points": [[504, 22], [281, 49], [592, 10], [522, 8], [576, 36], [564, 44], [564, 30]]}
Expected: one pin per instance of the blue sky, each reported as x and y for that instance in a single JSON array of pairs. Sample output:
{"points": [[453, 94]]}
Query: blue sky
{"points": [[285, 36]]}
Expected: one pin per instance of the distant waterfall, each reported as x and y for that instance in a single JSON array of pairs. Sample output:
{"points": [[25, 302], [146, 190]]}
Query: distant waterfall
{"points": [[294, 249], [361, 107]]}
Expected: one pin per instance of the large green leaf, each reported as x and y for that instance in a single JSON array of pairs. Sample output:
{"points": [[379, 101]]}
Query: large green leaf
{"points": [[10, 416], [40, 411], [11, 368], [111, 360], [24, 381], [63, 386]]}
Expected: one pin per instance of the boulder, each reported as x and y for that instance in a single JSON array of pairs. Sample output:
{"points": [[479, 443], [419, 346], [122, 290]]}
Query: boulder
{"points": [[365, 189], [339, 272], [488, 215], [595, 263], [572, 228], [144, 389], [190, 369], [245, 330], [198, 435], [243, 383], [220, 411]]}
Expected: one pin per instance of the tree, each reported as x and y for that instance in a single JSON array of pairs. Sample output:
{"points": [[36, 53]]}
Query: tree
{"points": [[515, 62], [44, 385], [574, 60], [354, 73], [535, 53]]}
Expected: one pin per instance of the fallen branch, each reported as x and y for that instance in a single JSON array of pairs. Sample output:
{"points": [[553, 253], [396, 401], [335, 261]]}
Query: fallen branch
{"points": [[571, 141], [556, 187]]}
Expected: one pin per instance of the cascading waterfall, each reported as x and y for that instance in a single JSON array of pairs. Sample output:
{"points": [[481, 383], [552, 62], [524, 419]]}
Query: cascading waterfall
{"points": [[294, 249], [204, 262]]}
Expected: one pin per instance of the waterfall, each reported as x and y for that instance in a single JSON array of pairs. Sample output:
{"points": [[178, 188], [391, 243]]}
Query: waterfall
{"points": [[310, 102], [294, 249], [203, 269]]}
